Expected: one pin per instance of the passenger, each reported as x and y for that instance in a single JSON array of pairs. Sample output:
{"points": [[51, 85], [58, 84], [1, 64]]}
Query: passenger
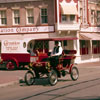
{"points": [[32, 53]]}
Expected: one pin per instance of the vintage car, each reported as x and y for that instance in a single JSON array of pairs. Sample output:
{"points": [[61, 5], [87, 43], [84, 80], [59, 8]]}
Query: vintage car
{"points": [[42, 65]]}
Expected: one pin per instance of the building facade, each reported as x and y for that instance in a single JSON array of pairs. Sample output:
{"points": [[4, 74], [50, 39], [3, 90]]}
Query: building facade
{"points": [[24, 21]]}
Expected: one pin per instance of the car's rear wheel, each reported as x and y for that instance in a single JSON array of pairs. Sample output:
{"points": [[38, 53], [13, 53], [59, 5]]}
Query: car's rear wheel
{"points": [[11, 65], [74, 73]]}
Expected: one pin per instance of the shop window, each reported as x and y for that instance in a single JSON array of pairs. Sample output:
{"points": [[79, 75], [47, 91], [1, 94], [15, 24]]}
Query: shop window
{"points": [[44, 16], [3, 19], [16, 18], [83, 47], [30, 16], [95, 47]]}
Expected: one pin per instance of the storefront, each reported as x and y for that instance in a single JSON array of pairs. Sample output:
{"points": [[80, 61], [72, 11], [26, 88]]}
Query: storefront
{"points": [[89, 47]]}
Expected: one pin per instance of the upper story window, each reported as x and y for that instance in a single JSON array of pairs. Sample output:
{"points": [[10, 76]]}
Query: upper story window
{"points": [[44, 16], [98, 17], [3, 18], [81, 14], [64, 18], [72, 17], [30, 16], [92, 16], [16, 17], [67, 18]]}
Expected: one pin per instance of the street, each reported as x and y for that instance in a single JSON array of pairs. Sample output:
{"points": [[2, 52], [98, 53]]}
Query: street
{"points": [[87, 87]]}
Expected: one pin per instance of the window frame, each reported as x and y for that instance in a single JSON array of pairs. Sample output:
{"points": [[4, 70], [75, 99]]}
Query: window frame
{"points": [[65, 17], [98, 17], [3, 18], [43, 16], [27, 20], [92, 16], [81, 15], [70, 18], [14, 17]]}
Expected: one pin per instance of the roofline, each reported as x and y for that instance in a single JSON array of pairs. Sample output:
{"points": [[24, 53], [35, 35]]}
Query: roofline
{"points": [[16, 1]]}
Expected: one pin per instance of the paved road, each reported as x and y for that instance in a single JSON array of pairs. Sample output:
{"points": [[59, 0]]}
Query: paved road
{"points": [[87, 87]]}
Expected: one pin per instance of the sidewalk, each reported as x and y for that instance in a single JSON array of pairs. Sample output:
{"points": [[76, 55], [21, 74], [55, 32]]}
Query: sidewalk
{"points": [[13, 77], [10, 77], [91, 64]]}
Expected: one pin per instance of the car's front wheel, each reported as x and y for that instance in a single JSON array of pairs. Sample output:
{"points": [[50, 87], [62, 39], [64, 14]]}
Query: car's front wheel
{"points": [[53, 78], [29, 78]]}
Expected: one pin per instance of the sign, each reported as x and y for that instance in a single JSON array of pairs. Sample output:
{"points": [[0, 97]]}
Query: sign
{"points": [[12, 46], [90, 29], [27, 29]]}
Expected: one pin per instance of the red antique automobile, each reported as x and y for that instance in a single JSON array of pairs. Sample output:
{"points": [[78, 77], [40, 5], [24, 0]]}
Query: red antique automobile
{"points": [[43, 66]]}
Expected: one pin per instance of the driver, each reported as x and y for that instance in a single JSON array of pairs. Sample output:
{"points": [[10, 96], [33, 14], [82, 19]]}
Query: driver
{"points": [[56, 53]]}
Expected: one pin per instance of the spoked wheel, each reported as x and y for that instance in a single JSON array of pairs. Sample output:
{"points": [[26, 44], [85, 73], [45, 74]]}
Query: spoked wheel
{"points": [[74, 73], [53, 78], [29, 78], [11, 65]]}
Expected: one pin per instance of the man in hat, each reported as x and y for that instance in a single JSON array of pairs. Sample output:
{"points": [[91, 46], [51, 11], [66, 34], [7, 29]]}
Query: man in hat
{"points": [[57, 51]]}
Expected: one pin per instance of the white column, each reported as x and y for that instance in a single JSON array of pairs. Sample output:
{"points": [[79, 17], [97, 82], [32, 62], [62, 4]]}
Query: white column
{"points": [[57, 14], [90, 48], [76, 45]]}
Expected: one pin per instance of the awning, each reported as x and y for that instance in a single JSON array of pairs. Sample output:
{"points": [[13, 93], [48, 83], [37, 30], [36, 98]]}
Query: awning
{"points": [[68, 9], [89, 36]]}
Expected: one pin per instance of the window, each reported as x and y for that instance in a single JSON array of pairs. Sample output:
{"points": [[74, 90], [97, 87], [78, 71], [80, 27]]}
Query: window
{"points": [[83, 47], [98, 17], [67, 18], [81, 14], [16, 17], [44, 16], [30, 16], [95, 47], [72, 17], [64, 18], [92, 16], [3, 19]]}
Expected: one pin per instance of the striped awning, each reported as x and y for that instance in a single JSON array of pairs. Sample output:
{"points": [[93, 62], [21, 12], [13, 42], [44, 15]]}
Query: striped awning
{"points": [[89, 36], [68, 9]]}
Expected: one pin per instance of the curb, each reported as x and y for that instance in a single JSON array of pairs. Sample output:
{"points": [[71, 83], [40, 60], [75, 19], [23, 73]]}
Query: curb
{"points": [[8, 84]]}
